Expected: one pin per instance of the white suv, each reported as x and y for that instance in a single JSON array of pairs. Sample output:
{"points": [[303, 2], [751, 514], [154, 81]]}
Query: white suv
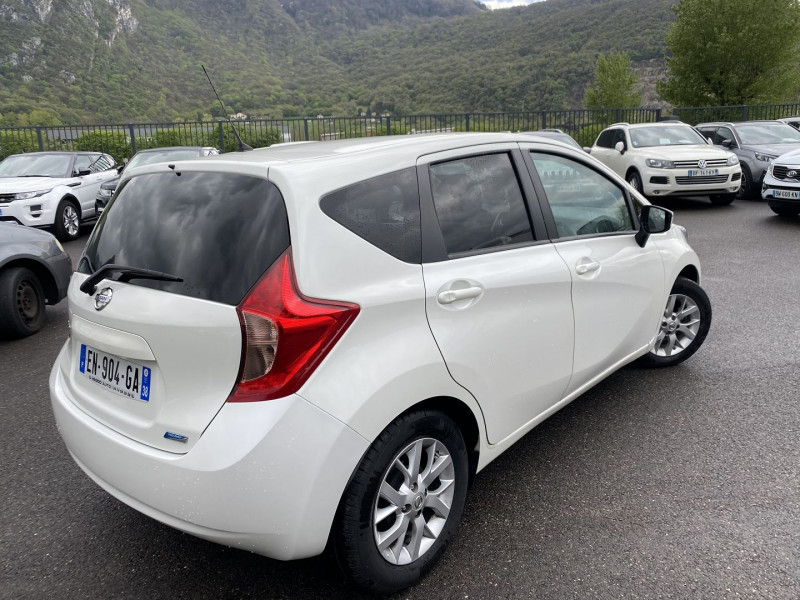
{"points": [[53, 189], [276, 348], [671, 158]]}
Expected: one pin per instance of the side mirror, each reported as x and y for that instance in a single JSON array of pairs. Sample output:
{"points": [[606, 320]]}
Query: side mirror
{"points": [[587, 149], [119, 168], [653, 219], [620, 147], [727, 143]]}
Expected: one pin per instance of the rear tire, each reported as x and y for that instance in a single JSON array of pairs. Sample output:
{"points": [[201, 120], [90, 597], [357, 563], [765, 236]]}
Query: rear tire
{"points": [[785, 211], [683, 328], [403, 504], [21, 303], [722, 199], [67, 224]]}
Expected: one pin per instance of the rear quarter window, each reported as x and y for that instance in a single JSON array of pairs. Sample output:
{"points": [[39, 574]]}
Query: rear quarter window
{"points": [[218, 231], [383, 210]]}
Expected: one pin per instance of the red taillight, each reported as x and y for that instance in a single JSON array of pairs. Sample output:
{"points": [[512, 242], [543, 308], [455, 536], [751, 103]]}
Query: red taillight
{"points": [[286, 335]]}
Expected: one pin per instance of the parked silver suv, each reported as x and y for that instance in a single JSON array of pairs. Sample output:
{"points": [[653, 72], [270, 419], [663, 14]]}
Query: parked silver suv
{"points": [[756, 143]]}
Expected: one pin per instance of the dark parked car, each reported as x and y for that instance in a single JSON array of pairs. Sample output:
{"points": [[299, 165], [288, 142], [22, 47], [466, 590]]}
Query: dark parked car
{"points": [[148, 157], [34, 271], [756, 143]]}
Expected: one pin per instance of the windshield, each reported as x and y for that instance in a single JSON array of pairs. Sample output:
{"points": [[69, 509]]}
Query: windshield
{"points": [[156, 156], [767, 133], [32, 165], [672, 135]]}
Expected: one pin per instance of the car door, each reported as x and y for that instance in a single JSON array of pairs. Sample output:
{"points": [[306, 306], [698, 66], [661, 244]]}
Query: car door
{"points": [[607, 152], [497, 292], [617, 286]]}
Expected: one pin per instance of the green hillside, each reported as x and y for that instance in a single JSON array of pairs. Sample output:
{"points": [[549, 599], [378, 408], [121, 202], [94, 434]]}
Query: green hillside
{"points": [[95, 61]]}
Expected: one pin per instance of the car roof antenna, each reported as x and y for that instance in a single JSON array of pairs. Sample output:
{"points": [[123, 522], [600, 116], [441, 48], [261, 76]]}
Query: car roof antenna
{"points": [[242, 146]]}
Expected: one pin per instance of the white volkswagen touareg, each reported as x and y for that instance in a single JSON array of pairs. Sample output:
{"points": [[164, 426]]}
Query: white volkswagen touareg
{"points": [[325, 341], [669, 159]]}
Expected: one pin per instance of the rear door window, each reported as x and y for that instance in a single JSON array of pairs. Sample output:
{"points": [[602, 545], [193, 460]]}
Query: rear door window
{"points": [[479, 203], [217, 231]]}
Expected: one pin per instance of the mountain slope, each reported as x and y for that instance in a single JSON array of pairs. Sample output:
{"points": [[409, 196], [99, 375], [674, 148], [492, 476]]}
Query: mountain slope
{"points": [[139, 60]]}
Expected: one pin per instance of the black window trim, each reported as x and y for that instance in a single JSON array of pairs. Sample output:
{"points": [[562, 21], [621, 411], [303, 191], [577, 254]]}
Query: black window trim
{"points": [[549, 220], [434, 248]]}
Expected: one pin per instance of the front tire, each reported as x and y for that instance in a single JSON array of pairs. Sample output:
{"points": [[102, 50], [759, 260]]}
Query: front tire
{"points": [[67, 224], [635, 181], [683, 327], [21, 303], [746, 188], [403, 503]]}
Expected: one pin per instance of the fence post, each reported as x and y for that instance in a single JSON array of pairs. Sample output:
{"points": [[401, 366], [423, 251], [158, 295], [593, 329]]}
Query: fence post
{"points": [[744, 113], [658, 114], [466, 122], [221, 137], [305, 127], [39, 137], [544, 120], [618, 116], [133, 138], [388, 125]]}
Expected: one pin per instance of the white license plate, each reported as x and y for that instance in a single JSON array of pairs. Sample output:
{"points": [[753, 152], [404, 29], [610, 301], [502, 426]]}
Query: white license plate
{"points": [[788, 194], [113, 373], [703, 172]]}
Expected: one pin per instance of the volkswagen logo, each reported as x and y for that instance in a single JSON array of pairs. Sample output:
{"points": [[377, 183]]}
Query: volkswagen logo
{"points": [[701, 164], [792, 174], [102, 298]]}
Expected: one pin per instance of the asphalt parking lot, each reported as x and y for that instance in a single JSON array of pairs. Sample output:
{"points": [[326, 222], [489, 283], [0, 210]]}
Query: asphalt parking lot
{"points": [[679, 483]]}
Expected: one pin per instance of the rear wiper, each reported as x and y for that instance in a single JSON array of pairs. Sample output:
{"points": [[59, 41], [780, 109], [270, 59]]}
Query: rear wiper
{"points": [[127, 273]]}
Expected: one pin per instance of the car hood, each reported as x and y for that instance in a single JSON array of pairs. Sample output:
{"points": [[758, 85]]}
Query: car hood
{"points": [[771, 149], [790, 158], [688, 152], [11, 233], [10, 185]]}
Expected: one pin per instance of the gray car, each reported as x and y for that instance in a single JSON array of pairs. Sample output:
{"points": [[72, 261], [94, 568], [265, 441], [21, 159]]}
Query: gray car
{"points": [[756, 143], [34, 271]]}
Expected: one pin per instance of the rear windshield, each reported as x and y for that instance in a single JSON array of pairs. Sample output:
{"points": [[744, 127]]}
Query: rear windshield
{"points": [[219, 232]]}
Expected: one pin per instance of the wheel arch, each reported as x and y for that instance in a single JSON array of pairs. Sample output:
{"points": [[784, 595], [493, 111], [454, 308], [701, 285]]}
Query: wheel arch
{"points": [[74, 200], [690, 272], [41, 271]]}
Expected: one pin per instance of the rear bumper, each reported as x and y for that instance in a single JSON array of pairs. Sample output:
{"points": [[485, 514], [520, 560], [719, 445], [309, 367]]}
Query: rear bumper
{"points": [[264, 476]]}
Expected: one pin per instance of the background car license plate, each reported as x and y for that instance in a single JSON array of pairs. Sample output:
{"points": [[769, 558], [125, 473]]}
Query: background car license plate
{"points": [[113, 373], [788, 194], [703, 172]]}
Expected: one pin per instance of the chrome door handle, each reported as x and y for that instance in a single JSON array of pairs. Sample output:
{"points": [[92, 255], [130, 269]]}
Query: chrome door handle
{"points": [[450, 296], [589, 267]]}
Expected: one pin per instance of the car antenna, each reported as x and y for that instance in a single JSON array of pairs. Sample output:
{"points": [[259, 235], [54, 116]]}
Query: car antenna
{"points": [[242, 146]]}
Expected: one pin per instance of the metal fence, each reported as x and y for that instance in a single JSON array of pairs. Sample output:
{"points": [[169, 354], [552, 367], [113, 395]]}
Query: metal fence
{"points": [[745, 112], [123, 141]]}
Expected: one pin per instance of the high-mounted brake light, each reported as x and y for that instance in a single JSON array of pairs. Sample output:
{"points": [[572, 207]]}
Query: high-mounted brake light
{"points": [[285, 334]]}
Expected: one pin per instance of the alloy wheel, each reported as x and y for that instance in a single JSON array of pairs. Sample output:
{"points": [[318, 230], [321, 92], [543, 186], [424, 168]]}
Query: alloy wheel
{"points": [[70, 219], [679, 326], [414, 501]]}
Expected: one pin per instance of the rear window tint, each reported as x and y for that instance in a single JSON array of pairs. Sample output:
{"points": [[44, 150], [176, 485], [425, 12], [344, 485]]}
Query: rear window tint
{"points": [[218, 231], [383, 210]]}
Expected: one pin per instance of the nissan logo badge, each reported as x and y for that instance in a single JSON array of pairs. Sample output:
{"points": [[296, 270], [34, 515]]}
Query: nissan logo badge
{"points": [[102, 298]]}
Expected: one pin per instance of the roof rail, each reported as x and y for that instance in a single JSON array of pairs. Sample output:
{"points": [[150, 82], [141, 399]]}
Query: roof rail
{"points": [[616, 124]]}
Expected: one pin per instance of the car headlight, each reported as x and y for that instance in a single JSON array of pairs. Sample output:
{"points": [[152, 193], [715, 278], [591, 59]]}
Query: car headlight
{"points": [[765, 157], [106, 193], [769, 168], [659, 163], [29, 195], [733, 160]]}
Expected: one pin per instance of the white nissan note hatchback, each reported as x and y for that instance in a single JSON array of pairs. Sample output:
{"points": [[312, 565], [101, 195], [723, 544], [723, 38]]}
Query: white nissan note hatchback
{"points": [[322, 343]]}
